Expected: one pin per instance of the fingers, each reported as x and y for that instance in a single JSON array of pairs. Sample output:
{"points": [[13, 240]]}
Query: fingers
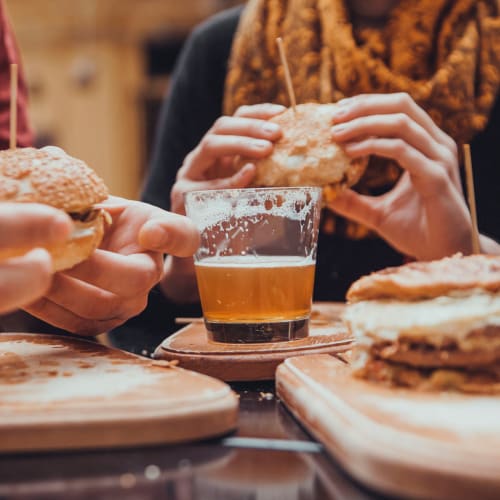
{"points": [[93, 304], [214, 147], [171, 234], [24, 279], [124, 275], [357, 207], [428, 177], [248, 134], [29, 225], [263, 111], [239, 180], [62, 318], [247, 127], [373, 104], [397, 125]]}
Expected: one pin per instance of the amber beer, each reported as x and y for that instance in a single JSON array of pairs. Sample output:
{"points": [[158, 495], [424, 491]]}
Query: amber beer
{"points": [[255, 294]]}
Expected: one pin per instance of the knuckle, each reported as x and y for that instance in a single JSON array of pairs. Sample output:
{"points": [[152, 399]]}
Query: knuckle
{"points": [[404, 99], [401, 121], [399, 147], [221, 122], [242, 110]]}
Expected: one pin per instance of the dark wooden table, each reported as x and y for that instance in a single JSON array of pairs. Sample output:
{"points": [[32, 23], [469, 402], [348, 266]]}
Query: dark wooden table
{"points": [[269, 457]]}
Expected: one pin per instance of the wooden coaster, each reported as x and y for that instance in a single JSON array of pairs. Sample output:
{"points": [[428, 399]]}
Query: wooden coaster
{"points": [[246, 362], [401, 442], [66, 393]]}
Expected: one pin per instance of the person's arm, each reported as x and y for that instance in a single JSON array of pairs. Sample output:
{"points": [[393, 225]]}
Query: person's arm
{"points": [[9, 54]]}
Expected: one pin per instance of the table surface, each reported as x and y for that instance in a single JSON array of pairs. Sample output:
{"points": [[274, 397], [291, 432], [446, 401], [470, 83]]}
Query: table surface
{"points": [[269, 457]]}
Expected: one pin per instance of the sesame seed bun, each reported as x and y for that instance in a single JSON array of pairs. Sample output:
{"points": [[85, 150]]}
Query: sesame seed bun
{"points": [[51, 177], [306, 155]]}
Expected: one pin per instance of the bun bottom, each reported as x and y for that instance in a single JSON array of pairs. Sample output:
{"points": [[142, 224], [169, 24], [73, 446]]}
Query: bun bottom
{"points": [[84, 239], [477, 380]]}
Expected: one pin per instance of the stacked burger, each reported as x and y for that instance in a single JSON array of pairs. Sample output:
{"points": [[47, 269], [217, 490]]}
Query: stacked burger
{"points": [[429, 325]]}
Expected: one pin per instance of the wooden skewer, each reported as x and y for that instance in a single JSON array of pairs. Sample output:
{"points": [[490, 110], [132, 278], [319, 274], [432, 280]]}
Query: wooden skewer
{"points": [[469, 180], [13, 106], [288, 78]]}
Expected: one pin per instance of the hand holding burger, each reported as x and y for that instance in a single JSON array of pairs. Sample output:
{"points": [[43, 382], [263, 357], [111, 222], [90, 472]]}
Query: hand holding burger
{"points": [[424, 215], [109, 284]]}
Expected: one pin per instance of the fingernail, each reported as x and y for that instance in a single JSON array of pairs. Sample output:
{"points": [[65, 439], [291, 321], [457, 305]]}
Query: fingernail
{"points": [[270, 128], [344, 102], [276, 107], [257, 144], [336, 129]]}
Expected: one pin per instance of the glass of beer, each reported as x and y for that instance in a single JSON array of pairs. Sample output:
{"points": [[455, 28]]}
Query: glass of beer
{"points": [[255, 265]]}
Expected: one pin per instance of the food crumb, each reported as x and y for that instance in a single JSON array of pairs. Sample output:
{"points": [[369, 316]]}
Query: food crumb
{"points": [[165, 364], [152, 472], [266, 395], [128, 480]]}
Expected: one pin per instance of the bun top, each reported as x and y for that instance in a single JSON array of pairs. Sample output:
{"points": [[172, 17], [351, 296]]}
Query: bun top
{"points": [[306, 155], [455, 275], [51, 177]]}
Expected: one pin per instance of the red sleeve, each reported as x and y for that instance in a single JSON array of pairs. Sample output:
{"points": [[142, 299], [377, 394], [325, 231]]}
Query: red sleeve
{"points": [[9, 53]]}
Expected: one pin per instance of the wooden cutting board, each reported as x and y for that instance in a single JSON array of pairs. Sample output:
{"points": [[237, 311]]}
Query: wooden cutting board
{"points": [[61, 392], [247, 362], [420, 445]]}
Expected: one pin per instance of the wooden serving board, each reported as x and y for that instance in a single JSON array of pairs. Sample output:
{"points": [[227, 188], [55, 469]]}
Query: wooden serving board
{"points": [[420, 445], [246, 362], [61, 392]]}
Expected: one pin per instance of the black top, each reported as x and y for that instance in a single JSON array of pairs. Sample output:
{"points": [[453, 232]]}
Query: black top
{"points": [[191, 107]]}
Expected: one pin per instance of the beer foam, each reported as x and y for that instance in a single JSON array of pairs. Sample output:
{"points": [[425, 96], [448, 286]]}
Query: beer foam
{"points": [[210, 208], [259, 261]]}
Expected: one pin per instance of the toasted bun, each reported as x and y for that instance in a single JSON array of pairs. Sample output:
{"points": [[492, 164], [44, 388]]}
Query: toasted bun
{"points": [[425, 280], [32, 175], [53, 178], [305, 155]]}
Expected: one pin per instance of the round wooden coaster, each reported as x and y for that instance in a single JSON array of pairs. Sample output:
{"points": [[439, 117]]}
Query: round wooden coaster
{"points": [[247, 362]]}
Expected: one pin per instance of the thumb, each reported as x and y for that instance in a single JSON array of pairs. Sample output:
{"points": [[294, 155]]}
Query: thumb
{"points": [[170, 233], [357, 207]]}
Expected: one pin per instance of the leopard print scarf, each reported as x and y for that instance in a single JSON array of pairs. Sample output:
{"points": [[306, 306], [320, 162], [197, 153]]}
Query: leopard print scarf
{"points": [[444, 53]]}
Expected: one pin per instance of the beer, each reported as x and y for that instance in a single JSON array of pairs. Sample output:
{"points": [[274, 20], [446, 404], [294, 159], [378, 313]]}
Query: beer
{"points": [[248, 289]]}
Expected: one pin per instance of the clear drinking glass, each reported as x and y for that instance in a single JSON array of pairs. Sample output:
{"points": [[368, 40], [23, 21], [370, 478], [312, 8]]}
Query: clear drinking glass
{"points": [[255, 265]]}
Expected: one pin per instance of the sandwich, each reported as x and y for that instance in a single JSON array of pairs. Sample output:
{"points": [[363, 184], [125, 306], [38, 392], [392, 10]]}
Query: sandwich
{"points": [[429, 325], [305, 155], [51, 177]]}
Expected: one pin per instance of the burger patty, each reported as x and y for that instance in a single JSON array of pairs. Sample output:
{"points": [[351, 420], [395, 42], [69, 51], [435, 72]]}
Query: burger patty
{"points": [[483, 380], [420, 353]]}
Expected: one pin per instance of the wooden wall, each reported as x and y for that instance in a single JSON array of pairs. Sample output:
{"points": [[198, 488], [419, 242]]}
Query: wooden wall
{"points": [[85, 64]]}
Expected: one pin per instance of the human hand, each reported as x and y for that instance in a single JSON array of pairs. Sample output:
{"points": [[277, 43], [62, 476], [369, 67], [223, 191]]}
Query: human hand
{"points": [[31, 226], [247, 133], [424, 215], [113, 284]]}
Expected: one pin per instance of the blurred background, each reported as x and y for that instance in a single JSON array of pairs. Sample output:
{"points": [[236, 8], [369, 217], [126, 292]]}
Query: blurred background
{"points": [[97, 72]]}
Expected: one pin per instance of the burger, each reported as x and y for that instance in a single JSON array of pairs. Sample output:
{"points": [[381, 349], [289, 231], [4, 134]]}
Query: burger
{"points": [[305, 155], [429, 325], [51, 177]]}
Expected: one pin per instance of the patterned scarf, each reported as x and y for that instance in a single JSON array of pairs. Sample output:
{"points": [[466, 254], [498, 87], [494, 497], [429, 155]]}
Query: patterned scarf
{"points": [[444, 53]]}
